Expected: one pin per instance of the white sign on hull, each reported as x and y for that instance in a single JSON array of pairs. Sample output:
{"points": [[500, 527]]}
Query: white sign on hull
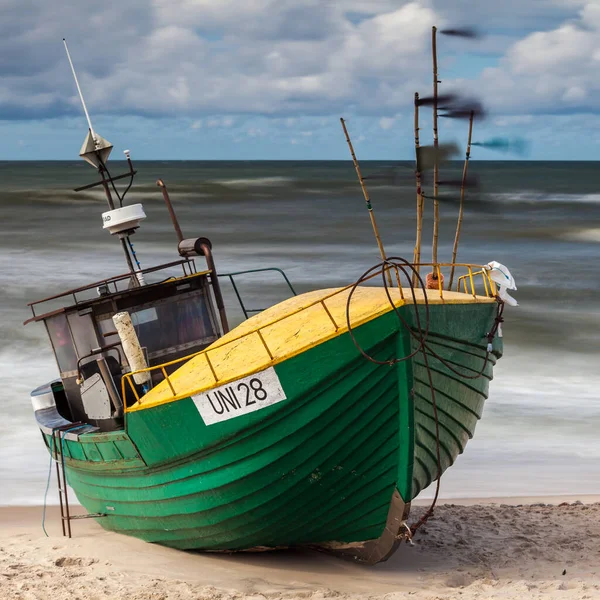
{"points": [[240, 397]]}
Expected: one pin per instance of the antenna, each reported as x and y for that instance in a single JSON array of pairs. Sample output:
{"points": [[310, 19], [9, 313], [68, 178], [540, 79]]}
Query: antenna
{"points": [[95, 149], [119, 221], [87, 116]]}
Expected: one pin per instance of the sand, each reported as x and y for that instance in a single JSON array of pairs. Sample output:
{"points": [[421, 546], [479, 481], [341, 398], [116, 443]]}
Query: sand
{"points": [[492, 549]]}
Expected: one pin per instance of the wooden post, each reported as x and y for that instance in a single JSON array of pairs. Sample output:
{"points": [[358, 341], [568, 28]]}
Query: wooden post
{"points": [[462, 198], [436, 207], [420, 203], [367, 199]]}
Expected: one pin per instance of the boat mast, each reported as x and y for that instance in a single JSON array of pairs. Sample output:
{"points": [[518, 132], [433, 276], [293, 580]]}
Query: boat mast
{"points": [[85, 110], [462, 198], [436, 205], [420, 200], [96, 156]]}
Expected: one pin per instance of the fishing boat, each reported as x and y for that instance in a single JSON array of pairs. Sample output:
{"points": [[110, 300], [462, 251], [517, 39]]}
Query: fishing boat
{"points": [[313, 423]]}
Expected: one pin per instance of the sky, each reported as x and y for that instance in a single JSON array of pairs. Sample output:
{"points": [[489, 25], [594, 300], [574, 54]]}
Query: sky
{"points": [[269, 79]]}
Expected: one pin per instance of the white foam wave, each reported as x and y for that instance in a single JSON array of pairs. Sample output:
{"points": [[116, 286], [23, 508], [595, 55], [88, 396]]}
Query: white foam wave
{"points": [[531, 197], [582, 235], [254, 182]]}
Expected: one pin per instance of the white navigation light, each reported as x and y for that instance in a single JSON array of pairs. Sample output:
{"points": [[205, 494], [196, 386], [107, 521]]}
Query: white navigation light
{"points": [[123, 219]]}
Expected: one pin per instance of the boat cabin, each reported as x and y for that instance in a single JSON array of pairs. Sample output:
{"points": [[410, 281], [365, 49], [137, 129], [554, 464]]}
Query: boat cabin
{"points": [[126, 323], [172, 318]]}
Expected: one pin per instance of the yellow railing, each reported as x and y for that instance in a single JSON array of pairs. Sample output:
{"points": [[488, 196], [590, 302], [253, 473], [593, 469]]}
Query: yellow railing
{"points": [[467, 281], [489, 286], [127, 378], [488, 283]]}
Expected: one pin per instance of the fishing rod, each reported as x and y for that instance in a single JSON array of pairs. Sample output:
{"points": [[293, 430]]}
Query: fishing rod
{"points": [[367, 198]]}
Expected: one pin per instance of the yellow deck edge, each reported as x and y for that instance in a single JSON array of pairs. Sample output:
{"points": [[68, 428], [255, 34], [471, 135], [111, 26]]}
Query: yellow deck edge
{"points": [[368, 303]]}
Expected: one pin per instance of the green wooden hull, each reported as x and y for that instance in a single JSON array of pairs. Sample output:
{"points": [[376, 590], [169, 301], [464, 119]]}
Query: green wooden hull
{"points": [[319, 467]]}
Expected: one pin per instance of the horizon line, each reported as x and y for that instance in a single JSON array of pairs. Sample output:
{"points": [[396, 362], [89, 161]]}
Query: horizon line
{"points": [[282, 160]]}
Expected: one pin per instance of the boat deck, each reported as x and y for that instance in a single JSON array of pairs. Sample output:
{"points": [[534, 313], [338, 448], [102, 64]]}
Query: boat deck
{"points": [[284, 331]]}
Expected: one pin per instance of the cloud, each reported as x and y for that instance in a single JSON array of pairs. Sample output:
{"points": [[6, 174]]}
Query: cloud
{"points": [[388, 122], [202, 59], [191, 57], [513, 120], [514, 16], [255, 132], [35, 79], [551, 71]]}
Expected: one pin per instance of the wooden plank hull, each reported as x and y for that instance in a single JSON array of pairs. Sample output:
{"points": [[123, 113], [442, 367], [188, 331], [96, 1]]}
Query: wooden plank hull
{"points": [[335, 464]]}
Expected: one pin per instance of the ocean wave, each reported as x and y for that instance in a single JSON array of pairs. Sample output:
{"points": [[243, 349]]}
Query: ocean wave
{"points": [[582, 235], [254, 182], [535, 197]]}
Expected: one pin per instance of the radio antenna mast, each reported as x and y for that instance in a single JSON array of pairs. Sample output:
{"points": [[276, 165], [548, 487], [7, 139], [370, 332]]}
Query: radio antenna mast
{"points": [[95, 151], [85, 110]]}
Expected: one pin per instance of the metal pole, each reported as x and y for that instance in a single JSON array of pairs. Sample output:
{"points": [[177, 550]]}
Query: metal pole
{"points": [[109, 199], [60, 497], [161, 184], [134, 278], [206, 251], [67, 516], [111, 205], [214, 279], [87, 116]]}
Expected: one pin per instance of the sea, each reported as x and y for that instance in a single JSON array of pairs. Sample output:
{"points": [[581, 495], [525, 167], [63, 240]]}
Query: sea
{"points": [[540, 432]]}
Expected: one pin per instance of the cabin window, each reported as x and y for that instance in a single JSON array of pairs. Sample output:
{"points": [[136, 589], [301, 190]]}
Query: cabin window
{"points": [[84, 335], [60, 336], [174, 324]]}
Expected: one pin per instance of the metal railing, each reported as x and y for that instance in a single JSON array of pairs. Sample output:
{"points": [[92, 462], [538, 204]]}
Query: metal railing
{"points": [[188, 267], [467, 281], [231, 277]]}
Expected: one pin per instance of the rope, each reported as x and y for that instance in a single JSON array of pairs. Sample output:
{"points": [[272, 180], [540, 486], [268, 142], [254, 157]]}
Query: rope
{"points": [[366, 275], [420, 335]]}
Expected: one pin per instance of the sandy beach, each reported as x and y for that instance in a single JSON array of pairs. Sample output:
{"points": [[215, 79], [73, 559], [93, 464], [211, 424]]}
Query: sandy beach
{"points": [[494, 548]]}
